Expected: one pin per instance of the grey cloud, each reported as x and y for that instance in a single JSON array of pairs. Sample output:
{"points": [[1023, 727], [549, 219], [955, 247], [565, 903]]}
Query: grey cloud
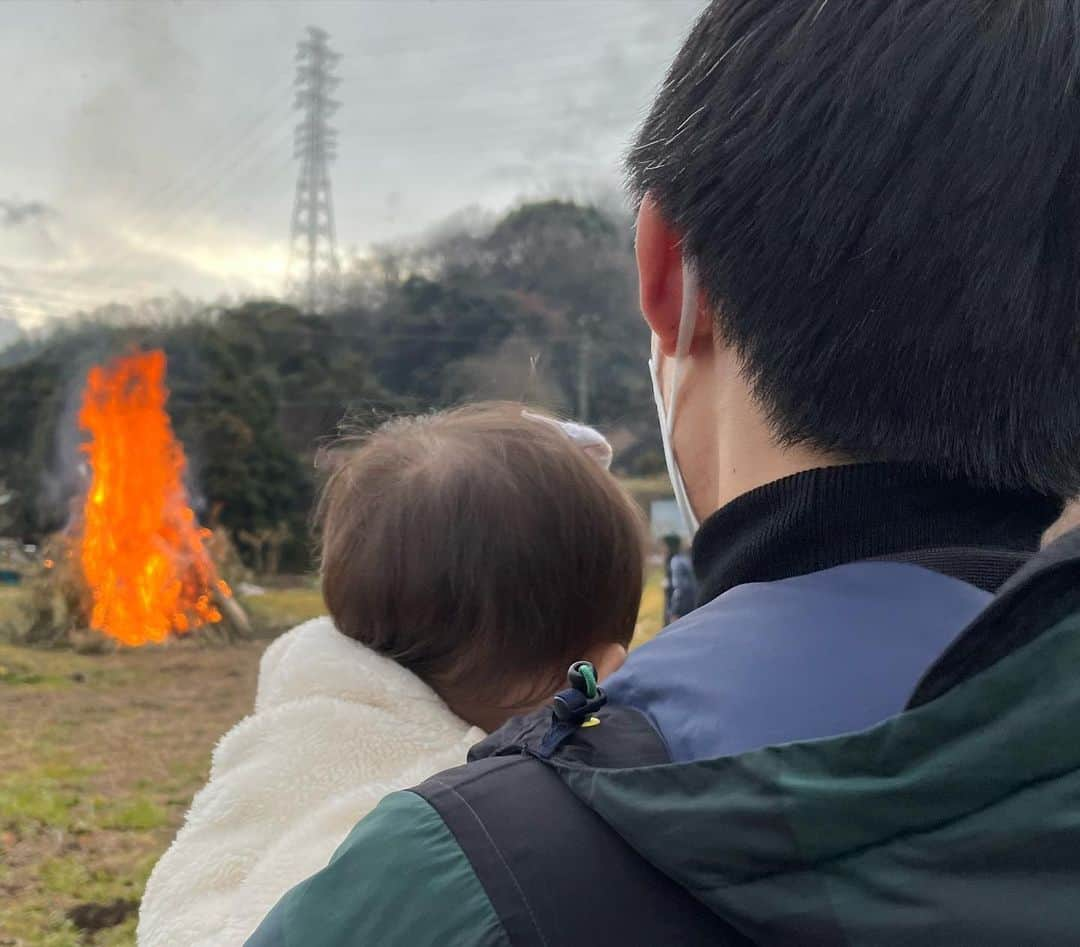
{"points": [[15, 212], [163, 129]]}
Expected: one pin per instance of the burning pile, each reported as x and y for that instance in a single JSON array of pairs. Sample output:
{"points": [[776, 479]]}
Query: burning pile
{"points": [[141, 551]]}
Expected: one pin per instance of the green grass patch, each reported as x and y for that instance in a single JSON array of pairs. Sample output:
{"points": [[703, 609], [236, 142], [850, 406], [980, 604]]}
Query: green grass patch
{"points": [[46, 662], [69, 876], [23, 665], [67, 879], [23, 675], [44, 926], [122, 936], [135, 815], [278, 610], [27, 804], [66, 876], [47, 795]]}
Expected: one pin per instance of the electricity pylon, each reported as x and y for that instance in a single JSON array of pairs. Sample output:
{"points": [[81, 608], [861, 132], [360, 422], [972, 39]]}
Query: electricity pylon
{"points": [[312, 239]]}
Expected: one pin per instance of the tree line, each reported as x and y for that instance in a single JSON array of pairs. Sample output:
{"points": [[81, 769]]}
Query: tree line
{"points": [[538, 306]]}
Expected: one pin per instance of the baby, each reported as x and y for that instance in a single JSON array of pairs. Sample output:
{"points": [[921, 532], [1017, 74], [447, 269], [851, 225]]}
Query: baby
{"points": [[468, 557]]}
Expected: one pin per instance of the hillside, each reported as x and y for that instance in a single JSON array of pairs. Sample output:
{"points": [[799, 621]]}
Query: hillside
{"points": [[539, 307]]}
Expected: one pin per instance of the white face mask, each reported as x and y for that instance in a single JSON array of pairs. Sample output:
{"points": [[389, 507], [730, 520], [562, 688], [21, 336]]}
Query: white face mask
{"points": [[687, 321]]}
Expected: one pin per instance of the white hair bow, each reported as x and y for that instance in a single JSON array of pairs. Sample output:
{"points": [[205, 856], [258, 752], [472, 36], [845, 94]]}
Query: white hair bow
{"points": [[587, 438]]}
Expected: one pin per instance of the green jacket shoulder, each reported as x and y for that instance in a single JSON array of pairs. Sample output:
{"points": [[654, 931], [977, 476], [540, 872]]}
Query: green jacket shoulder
{"points": [[399, 878]]}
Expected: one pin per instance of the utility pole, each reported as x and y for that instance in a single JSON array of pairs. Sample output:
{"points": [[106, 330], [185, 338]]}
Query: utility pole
{"points": [[312, 237], [585, 324]]}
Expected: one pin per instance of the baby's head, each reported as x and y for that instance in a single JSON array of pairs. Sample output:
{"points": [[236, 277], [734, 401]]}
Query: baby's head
{"points": [[485, 551]]}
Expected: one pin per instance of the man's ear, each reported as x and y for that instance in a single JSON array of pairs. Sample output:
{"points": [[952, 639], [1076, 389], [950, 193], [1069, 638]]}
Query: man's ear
{"points": [[659, 263], [660, 276], [607, 659]]}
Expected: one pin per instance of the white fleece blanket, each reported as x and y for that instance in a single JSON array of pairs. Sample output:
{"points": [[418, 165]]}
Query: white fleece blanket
{"points": [[336, 727]]}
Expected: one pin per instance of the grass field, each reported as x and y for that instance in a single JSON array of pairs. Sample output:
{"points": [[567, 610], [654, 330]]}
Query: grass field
{"points": [[99, 758]]}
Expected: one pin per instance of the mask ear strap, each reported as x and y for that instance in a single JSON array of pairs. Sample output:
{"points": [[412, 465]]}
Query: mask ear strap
{"points": [[688, 316], [687, 324]]}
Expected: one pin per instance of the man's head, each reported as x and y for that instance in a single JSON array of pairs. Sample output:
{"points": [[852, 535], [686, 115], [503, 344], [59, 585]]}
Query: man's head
{"points": [[881, 199]]}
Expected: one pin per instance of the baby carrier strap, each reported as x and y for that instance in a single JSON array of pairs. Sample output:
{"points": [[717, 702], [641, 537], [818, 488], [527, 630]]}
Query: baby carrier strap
{"points": [[554, 871]]}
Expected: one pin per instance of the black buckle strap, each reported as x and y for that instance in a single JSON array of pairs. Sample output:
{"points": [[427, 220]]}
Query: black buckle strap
{"points": [[573, 707]]}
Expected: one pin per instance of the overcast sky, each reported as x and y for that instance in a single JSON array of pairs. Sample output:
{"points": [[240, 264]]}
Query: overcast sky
{"points": [[147, 147]]}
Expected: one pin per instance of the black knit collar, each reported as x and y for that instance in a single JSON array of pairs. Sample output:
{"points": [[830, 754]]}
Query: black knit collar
{"points": [[827, 517]]}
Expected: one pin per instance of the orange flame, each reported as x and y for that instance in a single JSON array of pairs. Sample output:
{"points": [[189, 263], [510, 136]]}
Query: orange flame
{"points": [[142, 552]]}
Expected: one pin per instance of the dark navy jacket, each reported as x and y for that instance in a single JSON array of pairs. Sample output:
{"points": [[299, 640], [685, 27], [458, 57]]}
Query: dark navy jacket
{"points": [[806, 657]]}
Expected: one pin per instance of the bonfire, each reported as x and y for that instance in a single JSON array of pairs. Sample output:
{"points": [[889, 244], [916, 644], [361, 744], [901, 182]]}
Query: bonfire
{"points": [[141, 552]]}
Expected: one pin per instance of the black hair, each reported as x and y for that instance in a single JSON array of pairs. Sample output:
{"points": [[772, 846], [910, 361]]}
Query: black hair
{"points": [[881, 198]]}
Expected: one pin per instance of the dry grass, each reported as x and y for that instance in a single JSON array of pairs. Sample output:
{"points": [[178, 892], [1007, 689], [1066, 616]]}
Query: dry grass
{"points": [[278, 610], [11, 604], [651, 613]]}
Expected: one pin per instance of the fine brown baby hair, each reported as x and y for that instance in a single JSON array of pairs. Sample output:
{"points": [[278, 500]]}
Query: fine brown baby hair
{"points": [[481, 549]]}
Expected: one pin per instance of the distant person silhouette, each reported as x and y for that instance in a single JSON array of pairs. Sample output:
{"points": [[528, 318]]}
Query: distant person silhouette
{"points": [[680, 586]]}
